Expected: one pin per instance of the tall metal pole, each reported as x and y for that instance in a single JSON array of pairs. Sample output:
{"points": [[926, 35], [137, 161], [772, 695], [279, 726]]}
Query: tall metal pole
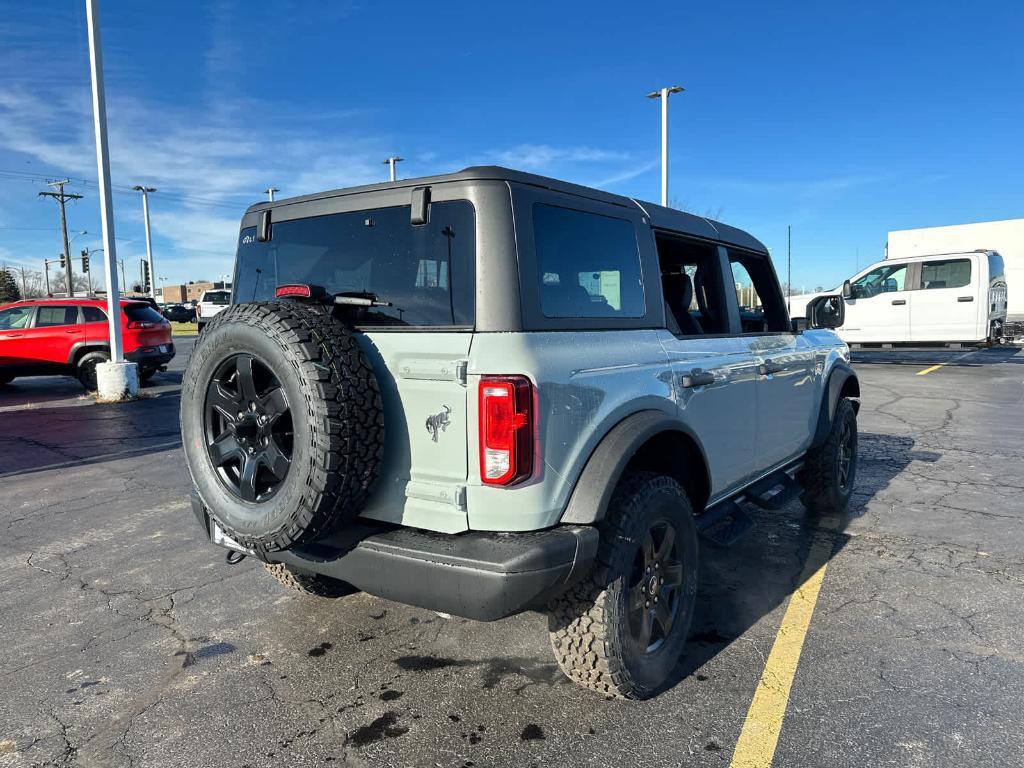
{"points": [[270, 192], [99, 110], [24, 285], [391, 161], [663, 94], [149, 247], [46, 275], [789, 266]]}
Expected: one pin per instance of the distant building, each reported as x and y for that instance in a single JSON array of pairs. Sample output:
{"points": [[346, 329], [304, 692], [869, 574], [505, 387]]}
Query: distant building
{"points": [[189, 292], [1006, 237]]}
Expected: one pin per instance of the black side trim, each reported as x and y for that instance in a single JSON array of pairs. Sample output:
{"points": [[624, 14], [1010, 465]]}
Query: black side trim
{"points": [[597, 482], [841, 372]]}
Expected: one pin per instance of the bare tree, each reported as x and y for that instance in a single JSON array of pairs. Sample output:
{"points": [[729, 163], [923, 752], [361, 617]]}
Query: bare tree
{"points": [[707, 213]]}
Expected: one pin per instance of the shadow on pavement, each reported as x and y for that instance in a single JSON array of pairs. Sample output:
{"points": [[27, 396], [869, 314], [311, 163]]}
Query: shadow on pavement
{"points": [[34, 439], [954, 358], [742, 583]]}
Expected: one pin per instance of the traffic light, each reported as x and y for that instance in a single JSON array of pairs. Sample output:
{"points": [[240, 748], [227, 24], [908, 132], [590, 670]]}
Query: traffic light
{"points": [[63, 262], [85, 259], [145, 276]]}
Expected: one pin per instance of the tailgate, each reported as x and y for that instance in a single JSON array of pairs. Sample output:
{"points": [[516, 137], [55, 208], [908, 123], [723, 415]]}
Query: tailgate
{"points": [[422, 383]]}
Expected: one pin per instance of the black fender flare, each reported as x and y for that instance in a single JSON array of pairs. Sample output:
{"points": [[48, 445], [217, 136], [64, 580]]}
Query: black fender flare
{"points": [[596, 483], [840, 377], [86, 346]]}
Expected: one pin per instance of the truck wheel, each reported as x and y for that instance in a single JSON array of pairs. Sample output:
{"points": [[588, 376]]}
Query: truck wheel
{"points": [[621, 631], [85, 369], [281, 423], [830, 470], [145, 374], [309, 583]]}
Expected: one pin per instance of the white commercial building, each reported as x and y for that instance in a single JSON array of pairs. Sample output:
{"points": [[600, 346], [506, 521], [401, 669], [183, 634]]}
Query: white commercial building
{"points": [[1006, 237]]}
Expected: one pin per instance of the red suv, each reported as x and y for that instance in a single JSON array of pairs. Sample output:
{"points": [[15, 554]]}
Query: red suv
{"points": [[43, 337]]}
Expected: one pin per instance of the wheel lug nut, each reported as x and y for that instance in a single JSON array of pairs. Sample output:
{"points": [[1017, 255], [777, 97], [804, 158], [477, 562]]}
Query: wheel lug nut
{"points": [[647, 603], [655, 599]]}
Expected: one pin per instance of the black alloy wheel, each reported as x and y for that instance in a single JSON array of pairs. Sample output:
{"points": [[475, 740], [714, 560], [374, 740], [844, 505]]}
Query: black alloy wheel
{"points": [[248, 428], [656, 582]]}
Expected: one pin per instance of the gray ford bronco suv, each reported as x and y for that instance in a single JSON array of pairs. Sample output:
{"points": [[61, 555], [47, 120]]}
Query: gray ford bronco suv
{"points": [[488, 392]]}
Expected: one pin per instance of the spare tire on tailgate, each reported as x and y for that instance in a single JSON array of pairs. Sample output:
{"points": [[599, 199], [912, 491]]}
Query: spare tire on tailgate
{"points": [[281, 423]]}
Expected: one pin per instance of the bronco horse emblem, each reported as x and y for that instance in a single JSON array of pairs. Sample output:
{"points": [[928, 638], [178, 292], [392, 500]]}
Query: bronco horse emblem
{"points": [[438, 423]]}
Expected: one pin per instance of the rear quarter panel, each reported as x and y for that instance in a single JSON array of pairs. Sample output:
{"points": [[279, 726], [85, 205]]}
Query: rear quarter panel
{"points": [[585, 383]]}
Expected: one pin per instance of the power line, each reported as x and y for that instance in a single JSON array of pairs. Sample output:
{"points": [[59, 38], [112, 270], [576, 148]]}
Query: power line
{"points": [[80, 181]]}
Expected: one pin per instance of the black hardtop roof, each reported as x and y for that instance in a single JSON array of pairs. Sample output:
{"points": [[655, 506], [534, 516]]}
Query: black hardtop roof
{"points": [[661, 217]]}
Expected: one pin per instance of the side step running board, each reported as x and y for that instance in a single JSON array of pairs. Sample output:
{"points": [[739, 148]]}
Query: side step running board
{"points": [[724, 523], [773, 492], [727, 521]]}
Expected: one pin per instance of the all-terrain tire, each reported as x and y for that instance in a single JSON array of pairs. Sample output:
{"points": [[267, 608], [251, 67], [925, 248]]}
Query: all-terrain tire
{"points": [[85, 368], [309, 583], [827, 490], [145, 374], [589, 624], [336, 418]]}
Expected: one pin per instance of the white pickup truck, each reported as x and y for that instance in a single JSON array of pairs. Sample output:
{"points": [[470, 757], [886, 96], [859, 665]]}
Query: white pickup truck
{"points": [[211, 303], [945, 298]]}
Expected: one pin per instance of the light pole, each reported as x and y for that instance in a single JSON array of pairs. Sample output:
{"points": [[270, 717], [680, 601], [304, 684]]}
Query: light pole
{"points": [[391, 162], [149, 247], [663, 94], [270, 192]]}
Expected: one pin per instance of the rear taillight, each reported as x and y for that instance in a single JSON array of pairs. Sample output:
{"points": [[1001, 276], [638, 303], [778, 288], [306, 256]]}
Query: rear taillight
{"points": [[199, 310], [137, 325], [506, 429]]}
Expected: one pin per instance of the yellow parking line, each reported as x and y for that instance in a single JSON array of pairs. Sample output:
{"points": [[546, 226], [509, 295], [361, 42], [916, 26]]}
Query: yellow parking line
{"points": [[760, 734], [930, 369]]}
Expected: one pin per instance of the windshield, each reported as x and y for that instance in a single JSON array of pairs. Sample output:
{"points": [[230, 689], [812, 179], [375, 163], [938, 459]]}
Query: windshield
{"points": [[426, 271]]}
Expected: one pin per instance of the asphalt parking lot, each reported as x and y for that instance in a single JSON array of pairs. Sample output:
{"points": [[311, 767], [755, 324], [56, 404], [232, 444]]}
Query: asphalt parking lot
{"points": [[127, 641]]}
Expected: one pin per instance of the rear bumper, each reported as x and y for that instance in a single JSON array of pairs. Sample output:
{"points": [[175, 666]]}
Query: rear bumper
{"points": [[479, 575], [151, 357]]}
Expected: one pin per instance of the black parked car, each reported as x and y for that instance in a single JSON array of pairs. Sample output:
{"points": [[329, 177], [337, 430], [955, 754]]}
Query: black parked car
{"points": [[179, 313]]}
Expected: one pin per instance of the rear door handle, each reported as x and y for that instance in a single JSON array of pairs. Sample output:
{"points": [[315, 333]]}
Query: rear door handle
{"points": [[767, 368], [898, 302], [697, 378], [965, 298]]}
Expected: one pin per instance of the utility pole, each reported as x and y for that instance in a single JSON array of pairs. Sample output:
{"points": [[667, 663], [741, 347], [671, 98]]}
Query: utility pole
{"points": [[270, 192], [145, 215], [62, 197], [391, 162], [663, 94], [24, 285]]}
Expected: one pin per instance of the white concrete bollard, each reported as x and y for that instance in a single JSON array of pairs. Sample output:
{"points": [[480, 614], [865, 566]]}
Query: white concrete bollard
{"points": [[116, 381]]}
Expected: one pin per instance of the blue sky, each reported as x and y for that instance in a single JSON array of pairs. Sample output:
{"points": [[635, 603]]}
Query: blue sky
{"points": [[844, 120]]}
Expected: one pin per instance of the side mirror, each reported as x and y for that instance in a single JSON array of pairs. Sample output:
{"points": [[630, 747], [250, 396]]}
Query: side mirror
{"points": [[847, 290], [826, 311]]}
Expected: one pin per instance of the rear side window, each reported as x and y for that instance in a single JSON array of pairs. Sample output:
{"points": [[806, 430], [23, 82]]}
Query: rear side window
{"points": [[217, 297], [426, 271], [954, 273], [589, 265], [142, 313], [50, 316], [94, 315]]}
